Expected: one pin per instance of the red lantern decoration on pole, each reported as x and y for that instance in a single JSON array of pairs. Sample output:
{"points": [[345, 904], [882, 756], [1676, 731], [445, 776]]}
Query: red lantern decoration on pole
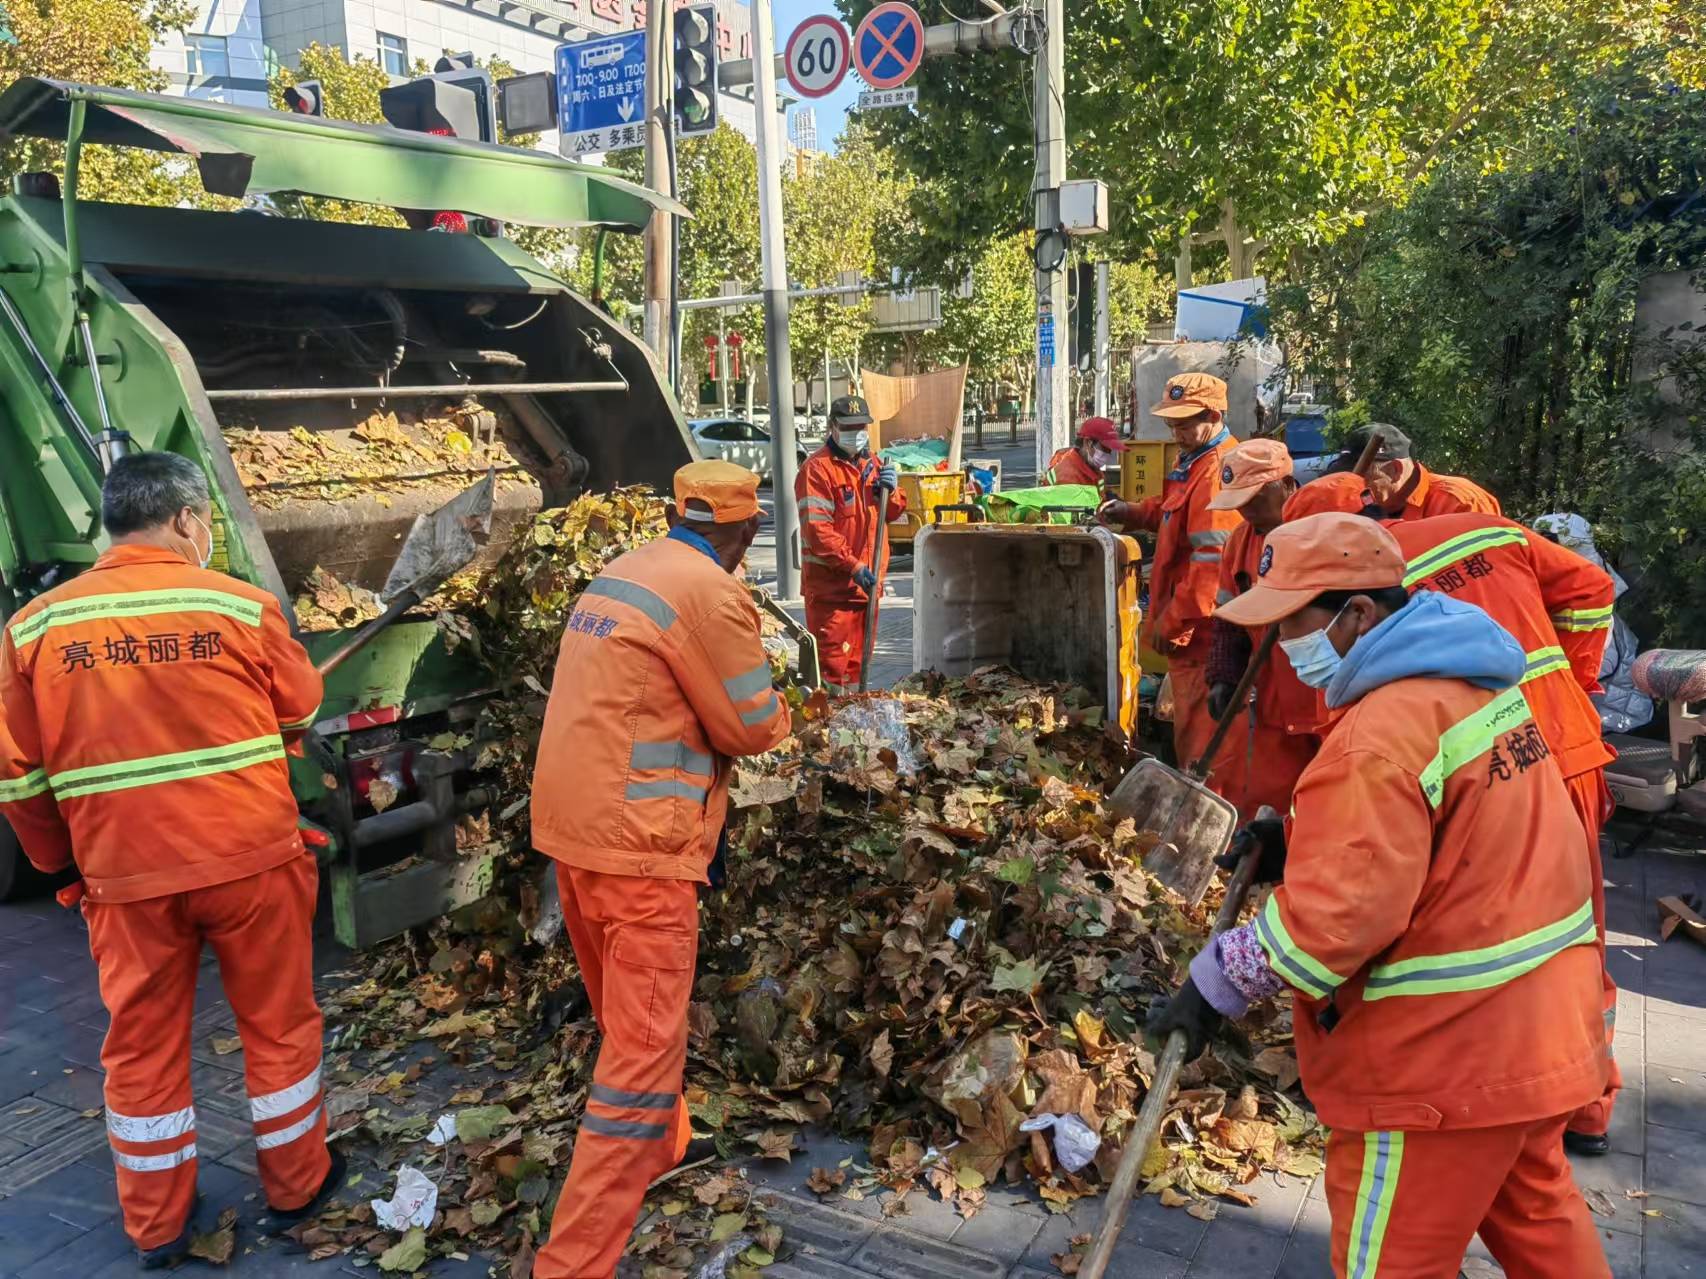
{"points": [[735, 341], [711, 356]]}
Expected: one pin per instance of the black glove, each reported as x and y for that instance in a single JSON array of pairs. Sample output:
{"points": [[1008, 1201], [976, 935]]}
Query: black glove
{"points": [[1188, 1011], [718, 871], [1218, 697], [1267, 835]]}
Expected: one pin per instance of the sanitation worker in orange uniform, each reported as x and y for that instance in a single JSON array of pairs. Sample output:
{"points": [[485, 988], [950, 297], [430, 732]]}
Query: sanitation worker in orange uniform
{"points": [[144, 711], [1190, 539], [1099, 446], [661, 682], [1435, 923], [1557, 605], [1403, 487], [838, 489], [1274, 738]]}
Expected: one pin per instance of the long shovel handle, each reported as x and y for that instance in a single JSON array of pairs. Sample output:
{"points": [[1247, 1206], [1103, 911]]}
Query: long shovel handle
{"points": [[876, 590], [402, 604], [1148, 1125]]}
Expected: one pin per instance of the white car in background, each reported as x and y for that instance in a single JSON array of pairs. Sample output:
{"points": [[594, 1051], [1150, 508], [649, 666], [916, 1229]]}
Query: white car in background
{"points": [[734, 439]]}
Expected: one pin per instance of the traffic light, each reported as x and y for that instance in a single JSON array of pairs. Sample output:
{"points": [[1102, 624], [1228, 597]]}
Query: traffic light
{"points": [[456, 104], [306, 97], [695, 70], [527, 103]]}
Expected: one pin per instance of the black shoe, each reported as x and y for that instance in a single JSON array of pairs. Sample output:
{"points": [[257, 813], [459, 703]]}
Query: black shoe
{"points": [[328, 1187], [1587, 1143], [167, 1254]]}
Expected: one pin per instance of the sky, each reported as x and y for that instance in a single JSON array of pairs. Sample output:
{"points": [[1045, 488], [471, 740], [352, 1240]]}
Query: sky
{"points": [[831, 111]]}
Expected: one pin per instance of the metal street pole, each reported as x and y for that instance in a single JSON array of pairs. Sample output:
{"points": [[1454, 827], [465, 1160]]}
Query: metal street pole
{"points": [[1054, 408], [723, 362], [775, 289], [1103, 355], [660, 231]]}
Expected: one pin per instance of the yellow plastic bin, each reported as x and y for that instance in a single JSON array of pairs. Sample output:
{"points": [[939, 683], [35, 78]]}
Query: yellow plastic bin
{"points": [[1143, 467], [1054, 602], [924, 492]]}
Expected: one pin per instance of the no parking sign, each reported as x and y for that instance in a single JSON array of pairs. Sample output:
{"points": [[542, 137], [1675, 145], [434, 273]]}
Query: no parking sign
{"points": [[889, 45]]}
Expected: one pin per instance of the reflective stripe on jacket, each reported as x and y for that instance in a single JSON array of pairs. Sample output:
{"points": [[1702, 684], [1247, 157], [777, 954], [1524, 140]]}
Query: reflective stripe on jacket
{"points": [[838, 523], [1554, 602], [660, 680], [1189, 540], [144, 710], [1436, 917]]}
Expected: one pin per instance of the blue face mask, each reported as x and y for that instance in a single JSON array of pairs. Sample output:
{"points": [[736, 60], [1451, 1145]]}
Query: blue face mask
{"points": [[1313, 656]]}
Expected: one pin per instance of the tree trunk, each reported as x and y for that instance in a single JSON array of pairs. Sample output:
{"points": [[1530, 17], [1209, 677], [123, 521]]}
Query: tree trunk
{"points": [[1237, 252]]}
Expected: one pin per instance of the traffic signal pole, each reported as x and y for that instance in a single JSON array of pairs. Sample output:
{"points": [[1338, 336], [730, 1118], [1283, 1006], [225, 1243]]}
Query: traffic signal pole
{"points": [[1054, 404], [660, 230], [774, 284]]}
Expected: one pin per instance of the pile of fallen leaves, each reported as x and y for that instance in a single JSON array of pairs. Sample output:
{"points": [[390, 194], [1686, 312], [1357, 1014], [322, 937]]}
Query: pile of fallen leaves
{"points": [[382, 456]]}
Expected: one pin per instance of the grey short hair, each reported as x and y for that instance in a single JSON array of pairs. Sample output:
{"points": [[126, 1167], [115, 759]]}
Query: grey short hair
{"points": [[147, 489]]}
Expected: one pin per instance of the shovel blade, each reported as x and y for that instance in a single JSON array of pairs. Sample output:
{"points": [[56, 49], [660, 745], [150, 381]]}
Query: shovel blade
{"points": [[1194, 824], [440, 544]]}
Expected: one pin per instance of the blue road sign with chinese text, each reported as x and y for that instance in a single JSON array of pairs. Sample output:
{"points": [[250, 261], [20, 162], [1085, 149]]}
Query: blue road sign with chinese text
{"points": [[601, 94]]}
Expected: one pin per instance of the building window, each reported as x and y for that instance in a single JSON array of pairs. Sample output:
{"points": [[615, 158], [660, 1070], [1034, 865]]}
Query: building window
{"points": [[394, 54], [205, 56]]}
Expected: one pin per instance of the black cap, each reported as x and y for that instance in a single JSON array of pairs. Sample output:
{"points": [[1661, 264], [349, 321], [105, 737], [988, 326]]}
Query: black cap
{"points": [[1394, 445], [850, 410]]}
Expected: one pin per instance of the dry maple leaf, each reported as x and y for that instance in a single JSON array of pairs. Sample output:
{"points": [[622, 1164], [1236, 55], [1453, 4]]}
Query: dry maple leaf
{"points": [[773, 1143], [825, 1180]]}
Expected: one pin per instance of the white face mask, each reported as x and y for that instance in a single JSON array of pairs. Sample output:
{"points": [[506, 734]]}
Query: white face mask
{"points": [[208, 554], [1101, 457], [1313, 656], [852, 440]]}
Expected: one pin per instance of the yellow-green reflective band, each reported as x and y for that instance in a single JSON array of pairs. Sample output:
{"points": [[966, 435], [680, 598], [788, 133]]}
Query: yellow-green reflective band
{"points": [[1543, 661], [89, 608], [1470, 738], [1583, 619], [1480, 969], [1291, 962], [31, 783], [304, 722], [1460, 547], [1382, 1156], [128, 774]]}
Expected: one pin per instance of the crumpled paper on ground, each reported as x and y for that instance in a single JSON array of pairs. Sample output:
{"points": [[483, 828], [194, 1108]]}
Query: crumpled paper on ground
{"points": [[414, 1203], [1074, 1144], [443, 1130]]}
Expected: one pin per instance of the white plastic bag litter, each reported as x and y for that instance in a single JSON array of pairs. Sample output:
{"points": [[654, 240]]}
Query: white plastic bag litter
{"points": [[1074, 1144], [414, 1203], [443, 1130]]}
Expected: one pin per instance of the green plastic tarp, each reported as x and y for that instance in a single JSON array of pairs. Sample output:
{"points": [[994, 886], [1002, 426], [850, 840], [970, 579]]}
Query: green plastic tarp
{"points": [[250, 151], [1025, 506], [917, 455]]}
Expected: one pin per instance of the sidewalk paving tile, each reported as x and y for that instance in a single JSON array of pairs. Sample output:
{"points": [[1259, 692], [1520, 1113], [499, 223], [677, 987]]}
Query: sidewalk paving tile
{"points": [[1628, 1130], [1622, 1253], [1675, 1244], [1676, 1164], [1278, 1201], [1676, 1097], [1001, 1231], [820, 1231], [1612, 1175], [1309, 1251], [899, 1254], [1237, 1250], [1675, 1041]]}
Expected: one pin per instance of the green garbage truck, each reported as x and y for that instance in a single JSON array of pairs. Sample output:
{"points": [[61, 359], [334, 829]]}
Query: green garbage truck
{"points": [[335, 381]]}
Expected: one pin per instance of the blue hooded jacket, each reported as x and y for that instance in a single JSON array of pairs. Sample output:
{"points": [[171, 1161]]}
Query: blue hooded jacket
{"points": [[1435, 637]]}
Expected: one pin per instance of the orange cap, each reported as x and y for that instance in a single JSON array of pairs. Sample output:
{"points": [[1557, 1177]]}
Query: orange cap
{"points": [[727, 493], [1332, 552], [1250, 468], [1188, 394], [1341, 492]]}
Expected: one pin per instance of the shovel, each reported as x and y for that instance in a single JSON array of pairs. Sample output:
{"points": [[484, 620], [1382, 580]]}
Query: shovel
{"points": [[438, 545], [1195, 825], [876, 590]]}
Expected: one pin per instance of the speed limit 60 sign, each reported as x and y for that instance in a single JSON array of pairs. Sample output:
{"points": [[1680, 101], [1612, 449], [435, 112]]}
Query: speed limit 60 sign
{"points": [[817, 57]]}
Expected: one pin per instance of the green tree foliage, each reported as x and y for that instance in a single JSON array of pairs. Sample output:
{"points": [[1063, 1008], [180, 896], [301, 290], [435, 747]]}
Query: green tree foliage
{"points": [[1493, 317], [97, 42]]}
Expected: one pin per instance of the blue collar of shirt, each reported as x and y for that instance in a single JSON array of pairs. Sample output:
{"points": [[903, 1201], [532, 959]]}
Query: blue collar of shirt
{"points": [[681, 533], [1183, 470]]}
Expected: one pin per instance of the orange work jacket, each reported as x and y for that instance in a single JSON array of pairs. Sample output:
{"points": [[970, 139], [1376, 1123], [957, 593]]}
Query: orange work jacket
{"points": [[1435, 494], [1068, 466], [1556, 604], [660, 680], [144, 710], [1189, 539], [838, 523], [1282, 700], [1436, 919]]}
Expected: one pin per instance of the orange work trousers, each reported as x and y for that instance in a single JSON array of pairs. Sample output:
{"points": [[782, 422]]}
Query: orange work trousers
{"points": [[1592, 799], [1261, 765], [636, 941], [1406, 1204], [147, 953], [1192, 723], [839, 627]]}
